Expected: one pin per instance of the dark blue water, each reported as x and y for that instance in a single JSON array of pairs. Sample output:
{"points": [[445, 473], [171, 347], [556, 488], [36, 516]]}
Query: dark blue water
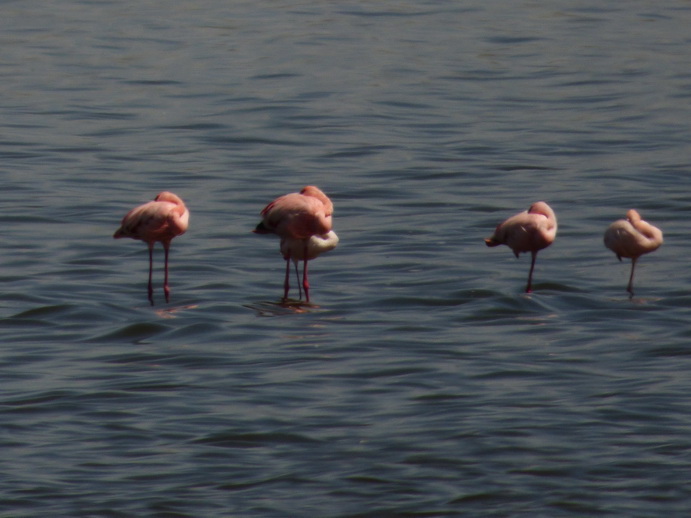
{"points": [[423, 381]]}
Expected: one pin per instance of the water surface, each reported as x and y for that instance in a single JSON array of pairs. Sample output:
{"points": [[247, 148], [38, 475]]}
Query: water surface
{"points": [[423, 381]]}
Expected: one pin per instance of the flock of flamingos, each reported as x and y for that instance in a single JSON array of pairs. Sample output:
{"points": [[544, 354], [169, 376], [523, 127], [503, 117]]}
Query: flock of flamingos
{"points": [[303, 221]]}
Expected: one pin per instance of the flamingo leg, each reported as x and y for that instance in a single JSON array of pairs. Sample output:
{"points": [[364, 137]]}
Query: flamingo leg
{"points": [[629, 288], [286, 282], [305, 281], [297, 276], [151, 267], [529, 287], [166, 287]]}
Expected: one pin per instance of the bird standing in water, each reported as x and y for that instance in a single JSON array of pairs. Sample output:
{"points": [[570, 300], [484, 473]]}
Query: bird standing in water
{"points": [[528, 231], [294, 249], [159, 220], [631, 238], [303, 221]]}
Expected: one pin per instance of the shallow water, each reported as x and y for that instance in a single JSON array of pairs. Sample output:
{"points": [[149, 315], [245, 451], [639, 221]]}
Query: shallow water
{"points": [[422, 381]]}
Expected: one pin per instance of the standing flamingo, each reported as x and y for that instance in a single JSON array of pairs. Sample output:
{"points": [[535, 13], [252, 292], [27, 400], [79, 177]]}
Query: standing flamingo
{"points": [[159, 220], [527, 231], [316, 245], [297, 218], [632, 237]]}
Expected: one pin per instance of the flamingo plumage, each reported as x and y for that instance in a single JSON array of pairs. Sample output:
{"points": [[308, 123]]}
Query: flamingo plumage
{"points": [[631, 238], [159, 220], [303, 221], [528, 231]]}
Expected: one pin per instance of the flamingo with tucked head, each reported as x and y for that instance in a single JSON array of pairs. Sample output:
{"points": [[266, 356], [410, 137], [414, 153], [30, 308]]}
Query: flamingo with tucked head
{"points": [[631, 238], [159, 220], [303, 221], [294, 249], [528, 231]]}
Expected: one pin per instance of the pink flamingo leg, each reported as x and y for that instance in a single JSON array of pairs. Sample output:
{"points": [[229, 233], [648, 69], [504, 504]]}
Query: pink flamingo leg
{"points": [[305, 282], [286, 282], [166, 288], [629, 288], [297, 276], [151, 267], [529, 288]]}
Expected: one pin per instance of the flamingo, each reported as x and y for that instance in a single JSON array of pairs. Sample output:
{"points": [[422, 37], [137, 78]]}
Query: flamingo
{"points": [[301, 220], [632, 237], [159, 220], [528, 231], [316, 245]]}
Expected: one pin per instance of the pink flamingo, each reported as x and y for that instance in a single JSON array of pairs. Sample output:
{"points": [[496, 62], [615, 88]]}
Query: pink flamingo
{"points": [[527, 231], [159, 220], [632, 237], [296, 218]]}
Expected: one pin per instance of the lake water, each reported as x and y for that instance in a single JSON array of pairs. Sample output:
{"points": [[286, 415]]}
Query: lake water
{"points": [[422, 381]]}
